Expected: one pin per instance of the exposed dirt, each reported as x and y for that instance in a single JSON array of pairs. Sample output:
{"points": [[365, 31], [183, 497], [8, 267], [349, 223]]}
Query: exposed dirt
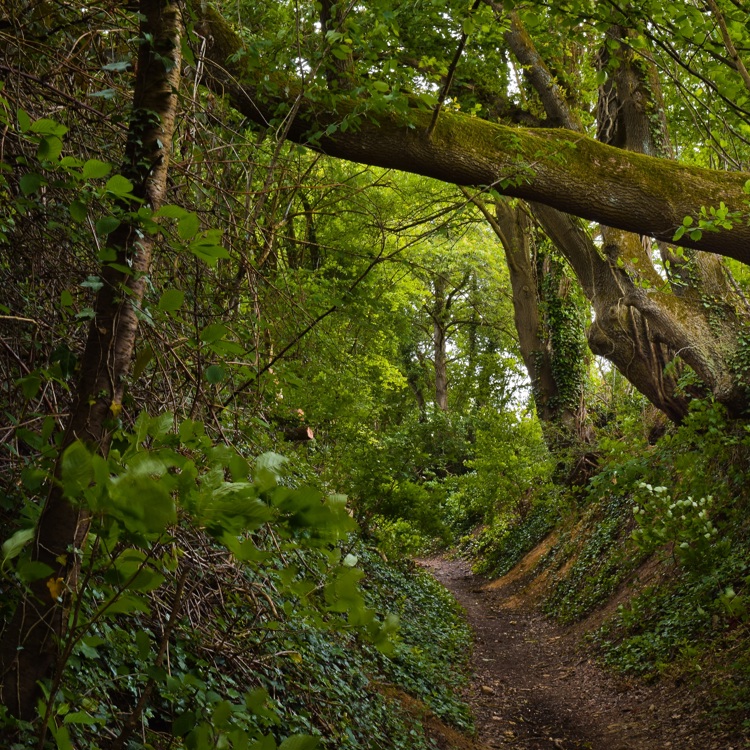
{"points": [[536, 688]]}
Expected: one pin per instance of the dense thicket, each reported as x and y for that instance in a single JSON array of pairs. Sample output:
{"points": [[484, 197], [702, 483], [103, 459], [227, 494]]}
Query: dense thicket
{"points": [[362, 237]]}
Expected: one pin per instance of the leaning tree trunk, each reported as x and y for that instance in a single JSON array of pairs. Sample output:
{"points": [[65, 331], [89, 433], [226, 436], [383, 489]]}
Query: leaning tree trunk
{"points": [[31, 640], [557, 167]]}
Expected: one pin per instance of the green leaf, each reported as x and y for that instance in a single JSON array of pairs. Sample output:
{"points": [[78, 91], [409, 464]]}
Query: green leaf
{"points": [[107, 225], [142, 360], [160, 425], [90, 644], [65, 359], [221, 714], [24, 121], [76, 469], [184, 723], [265, 743], [127, 604], [143, 644], [33, 570], [171, 300], [245, 550], [188, 226], [13, 545], [119, 186], [77, 211], [214, 374], [214, 332], [233, 507], [81, 717], [104, 94], [30, 385], [117, 67], [142, 503], [207, 247], [343, 594], [31, 182], [170, 211], [50, 148], [92, 282], [94, 169], [61, 735], [46, 126], [381, 86]]}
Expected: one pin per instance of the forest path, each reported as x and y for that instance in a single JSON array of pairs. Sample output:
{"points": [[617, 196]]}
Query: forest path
{"points": [[535, 688]]}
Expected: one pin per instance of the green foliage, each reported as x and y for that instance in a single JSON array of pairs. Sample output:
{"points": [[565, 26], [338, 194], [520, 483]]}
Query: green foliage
{"points": [[685, 523], [510, 468], [565, 313], [290, 589]]}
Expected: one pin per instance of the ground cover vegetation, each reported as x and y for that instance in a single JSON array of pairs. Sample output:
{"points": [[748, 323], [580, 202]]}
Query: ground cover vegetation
{"points": [[292, 291]]}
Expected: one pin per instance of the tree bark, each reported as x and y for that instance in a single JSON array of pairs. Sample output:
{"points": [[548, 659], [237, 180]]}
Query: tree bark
{"points": [[31, 641]]}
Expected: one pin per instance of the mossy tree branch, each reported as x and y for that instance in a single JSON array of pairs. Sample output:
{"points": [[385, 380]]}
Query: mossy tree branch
{"points": [[559, 168]]}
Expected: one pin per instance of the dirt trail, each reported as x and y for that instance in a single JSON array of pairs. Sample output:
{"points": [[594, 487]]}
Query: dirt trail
{"points": [[535, 687]]}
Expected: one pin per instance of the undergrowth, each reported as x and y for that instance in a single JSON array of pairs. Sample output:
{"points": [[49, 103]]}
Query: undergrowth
{"points": [[247, 657]]}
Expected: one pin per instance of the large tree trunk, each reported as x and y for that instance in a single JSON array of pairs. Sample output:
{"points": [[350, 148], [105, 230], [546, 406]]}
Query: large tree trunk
{"points": [[31, 640]]}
